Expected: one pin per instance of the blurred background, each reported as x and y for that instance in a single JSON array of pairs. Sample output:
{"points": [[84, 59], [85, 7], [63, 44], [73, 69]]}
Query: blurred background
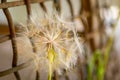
{"points": [[96, 21]]}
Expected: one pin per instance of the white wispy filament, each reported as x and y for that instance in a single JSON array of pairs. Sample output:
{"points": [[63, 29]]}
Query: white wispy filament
{"points": [[57, 44]]}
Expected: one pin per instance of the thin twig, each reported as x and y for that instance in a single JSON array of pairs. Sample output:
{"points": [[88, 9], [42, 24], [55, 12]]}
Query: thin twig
{"points": [[18, 3], [57, 6], [71, 8], [86, 11], [43, 7], [12, 36], [17, 68], [28, 7], [4, 38], [13, 39]]}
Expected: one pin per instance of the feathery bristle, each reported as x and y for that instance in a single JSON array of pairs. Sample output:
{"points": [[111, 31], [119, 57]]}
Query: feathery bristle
{"points": [[56, 42]]}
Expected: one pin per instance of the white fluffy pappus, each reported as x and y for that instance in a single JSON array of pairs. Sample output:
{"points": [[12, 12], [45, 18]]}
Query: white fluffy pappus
{"points": [[56, 42]]}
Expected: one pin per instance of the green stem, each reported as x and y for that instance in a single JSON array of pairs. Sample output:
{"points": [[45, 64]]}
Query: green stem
{"points": [[50, 72]]}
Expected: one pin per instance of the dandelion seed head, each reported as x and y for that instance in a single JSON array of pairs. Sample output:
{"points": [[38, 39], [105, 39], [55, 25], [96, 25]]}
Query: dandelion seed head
{"points": [[56, 41]]}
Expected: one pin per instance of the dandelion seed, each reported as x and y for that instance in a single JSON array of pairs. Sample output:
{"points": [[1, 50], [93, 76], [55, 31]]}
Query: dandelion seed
{"points": [[56, 42]]}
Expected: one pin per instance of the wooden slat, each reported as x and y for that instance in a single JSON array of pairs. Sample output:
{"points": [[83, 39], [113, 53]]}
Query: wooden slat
{"points": [[18, 3], [17, 68], [13, 39]]}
